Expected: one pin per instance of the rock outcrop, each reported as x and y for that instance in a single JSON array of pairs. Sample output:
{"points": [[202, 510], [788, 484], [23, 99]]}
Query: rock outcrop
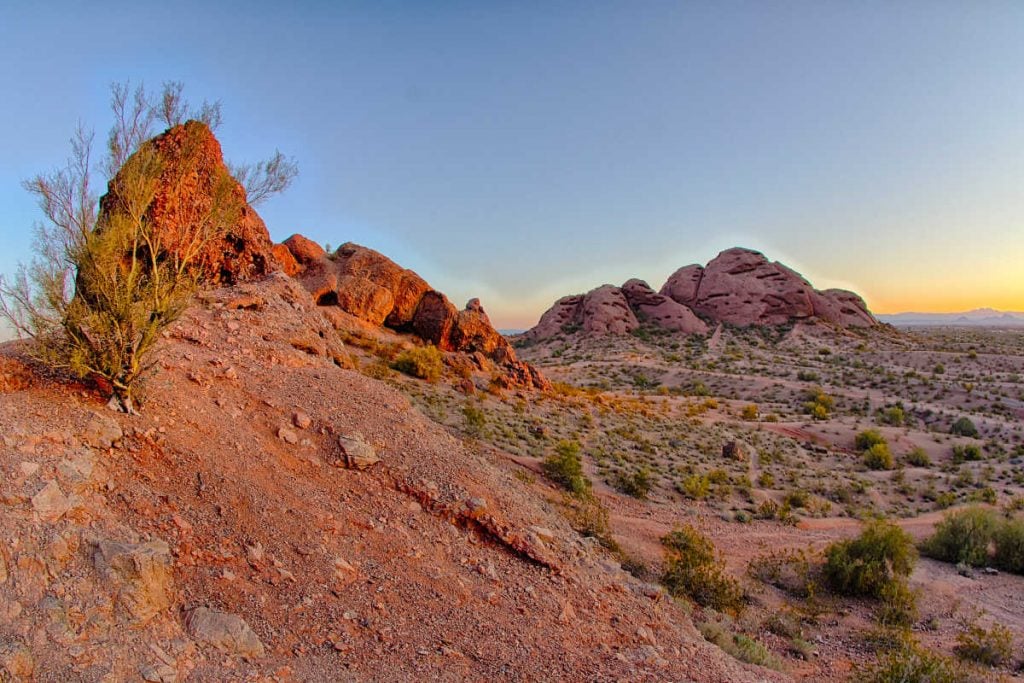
{"points": [[196, 193], [739, 287], [368, 287], [660, 310]]}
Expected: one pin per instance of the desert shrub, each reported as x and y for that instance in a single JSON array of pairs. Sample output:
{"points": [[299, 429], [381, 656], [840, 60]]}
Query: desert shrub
{"points": [[964, 427], [868, 438], [589, 518], [693, 570], [990, 647], [899, 605], [637, 484], [909, 663], [106, 281], [893, 415], [795, 571], [807, 376], [750, 412], [819, 405], [881, 555], [967, 453], [918, 458], [768, 509], [423, 362], [695, 486], [475, 418], [1009, 540], [878, 457], [565, 467], [963, 536], [797, 498], [738, 645], [765, 480]]}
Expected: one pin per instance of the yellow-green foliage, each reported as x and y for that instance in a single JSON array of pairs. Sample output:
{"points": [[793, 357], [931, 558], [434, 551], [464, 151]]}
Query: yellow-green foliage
{"points": [[565, 467], [819, 405], [990, 647], [881, 555], [693, 570], [421, 361]]}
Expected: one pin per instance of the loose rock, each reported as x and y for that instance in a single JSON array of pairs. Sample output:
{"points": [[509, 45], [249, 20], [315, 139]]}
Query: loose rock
{"points": [[226, 632]]}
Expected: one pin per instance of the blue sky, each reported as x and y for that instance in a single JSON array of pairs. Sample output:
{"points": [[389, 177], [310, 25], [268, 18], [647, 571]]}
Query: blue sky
{"points": [[522, 151]]}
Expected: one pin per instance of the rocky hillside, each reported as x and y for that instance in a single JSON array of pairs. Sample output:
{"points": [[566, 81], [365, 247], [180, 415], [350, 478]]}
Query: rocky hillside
{"points": [[739, 287], [276, 515], [273, 516]]}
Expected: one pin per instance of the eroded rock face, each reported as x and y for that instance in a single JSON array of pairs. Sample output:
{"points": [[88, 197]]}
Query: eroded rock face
{"points": [[193, 183], [742, 287], [660, 310], [842, 307], [739, 286], [375, 290]]}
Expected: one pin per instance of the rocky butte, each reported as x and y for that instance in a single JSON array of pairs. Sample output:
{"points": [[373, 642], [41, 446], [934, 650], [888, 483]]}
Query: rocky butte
{"points": [[738, 287]]}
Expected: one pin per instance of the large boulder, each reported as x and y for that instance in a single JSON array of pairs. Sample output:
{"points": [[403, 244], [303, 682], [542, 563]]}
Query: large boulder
{"points": [[605, 311], [742, 287], [196, 192]]}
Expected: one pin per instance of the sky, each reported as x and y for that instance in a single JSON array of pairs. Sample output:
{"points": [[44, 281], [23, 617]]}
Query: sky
{"points": [[522, 151]]}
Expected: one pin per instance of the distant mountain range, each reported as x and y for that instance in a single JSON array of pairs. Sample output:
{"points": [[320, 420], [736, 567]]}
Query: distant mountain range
{"points": [[979, 317]]}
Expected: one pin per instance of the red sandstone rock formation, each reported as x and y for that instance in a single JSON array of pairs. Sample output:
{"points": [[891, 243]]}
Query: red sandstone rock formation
{"points": [[739, 286], [194, 182], [375, 290]]}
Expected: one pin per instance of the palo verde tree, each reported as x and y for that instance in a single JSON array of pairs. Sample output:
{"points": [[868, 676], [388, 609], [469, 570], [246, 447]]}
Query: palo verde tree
{"points": [[104, 282]]}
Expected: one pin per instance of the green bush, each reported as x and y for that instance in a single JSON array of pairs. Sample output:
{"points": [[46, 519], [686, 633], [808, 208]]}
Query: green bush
{"points": [[1009, 539], [866, 565], [636, 484], [894, 416], [819, 405], [693, 570], [565, 467], [964, 427], [909, 663], [868, 438], [899, 605], [990, 647], [741, 647], [423, 362], [968, 453], [695, 486], [918, 458], [475, 418], [878, 457], [963, 536]]}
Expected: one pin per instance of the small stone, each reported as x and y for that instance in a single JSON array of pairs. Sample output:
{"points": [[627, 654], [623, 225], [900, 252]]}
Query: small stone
{"points": [[226, 632], [288, 436], [140, 575], [102, 432], [28, 468], [50, 503], [357, 453], [301, 420], [158, 673]]}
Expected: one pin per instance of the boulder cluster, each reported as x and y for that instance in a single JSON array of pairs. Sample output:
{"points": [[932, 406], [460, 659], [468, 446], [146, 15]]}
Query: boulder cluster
{"points": [[354, 286], [739, 287]]}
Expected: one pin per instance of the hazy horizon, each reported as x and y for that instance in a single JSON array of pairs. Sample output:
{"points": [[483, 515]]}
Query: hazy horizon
{"points": [[519, 154]]}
